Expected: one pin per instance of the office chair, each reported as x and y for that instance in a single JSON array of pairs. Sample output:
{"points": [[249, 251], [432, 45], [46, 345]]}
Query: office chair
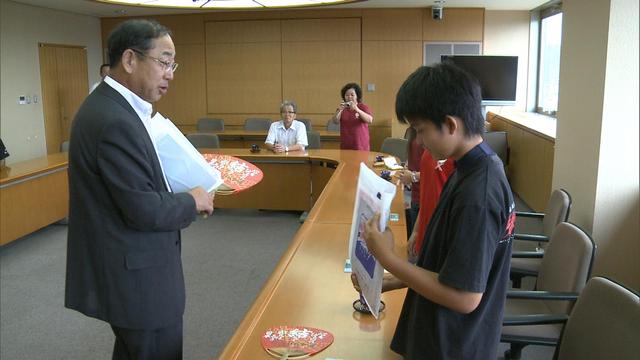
{"points": [[497, 140], [64, 147], [406, 133], [563, 274], [604, 324], [209, 125], [527, 263], [313, 138], [396, 147], [331, 126], [257, 124], [204, 141], [307, 124]]}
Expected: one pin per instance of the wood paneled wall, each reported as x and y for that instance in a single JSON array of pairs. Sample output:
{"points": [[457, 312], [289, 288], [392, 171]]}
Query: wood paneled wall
{"points": [[235, 65]]}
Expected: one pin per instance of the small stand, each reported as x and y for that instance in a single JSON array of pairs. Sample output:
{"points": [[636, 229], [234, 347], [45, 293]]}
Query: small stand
{"points": [[361, 306]]}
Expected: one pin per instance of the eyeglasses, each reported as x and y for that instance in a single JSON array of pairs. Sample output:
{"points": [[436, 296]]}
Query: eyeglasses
{"points": [[166, 66], [287, 112]]}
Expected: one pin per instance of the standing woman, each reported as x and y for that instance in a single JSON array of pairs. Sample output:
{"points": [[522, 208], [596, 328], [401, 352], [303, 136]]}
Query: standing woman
{"points": [[354, 118]]}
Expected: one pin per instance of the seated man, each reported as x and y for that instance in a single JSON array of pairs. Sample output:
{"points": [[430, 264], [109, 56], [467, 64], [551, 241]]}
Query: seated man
{"points": [[287, 134]]}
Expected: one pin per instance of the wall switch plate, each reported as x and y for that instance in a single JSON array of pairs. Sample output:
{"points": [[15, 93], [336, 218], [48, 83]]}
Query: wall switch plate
{"points": [[371, 87]]}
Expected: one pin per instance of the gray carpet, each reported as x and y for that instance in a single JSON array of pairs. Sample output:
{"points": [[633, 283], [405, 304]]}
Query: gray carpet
{"points": [[226, 258]]}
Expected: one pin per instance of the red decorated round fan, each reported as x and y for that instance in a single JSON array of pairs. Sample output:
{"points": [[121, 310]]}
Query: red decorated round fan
{"points": [[295, 342], [237, 174]]}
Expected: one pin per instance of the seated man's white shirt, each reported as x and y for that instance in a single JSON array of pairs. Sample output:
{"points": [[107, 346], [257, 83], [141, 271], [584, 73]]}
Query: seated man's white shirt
{"points": [[296, 134]]}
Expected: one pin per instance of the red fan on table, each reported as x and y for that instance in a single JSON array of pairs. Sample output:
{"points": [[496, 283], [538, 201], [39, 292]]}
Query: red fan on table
{"points": [[295, 342], [237, 174]]}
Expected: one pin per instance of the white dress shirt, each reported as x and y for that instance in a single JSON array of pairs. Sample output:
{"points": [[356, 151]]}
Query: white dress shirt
{"points": [[295, 134], [143, 109]]}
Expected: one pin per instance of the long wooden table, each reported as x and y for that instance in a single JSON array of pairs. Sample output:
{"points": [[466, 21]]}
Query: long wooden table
{"points": [[238, 138], [33, 194], [308, 286]]}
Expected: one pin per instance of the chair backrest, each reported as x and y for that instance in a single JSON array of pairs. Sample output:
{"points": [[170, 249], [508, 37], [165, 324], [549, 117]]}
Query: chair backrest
{"points": [[307, 124], [557, 210], [604, 324], [204, 140], [313, 138], [209, 124], [396, 147], [566, 264], [407, 132], [332, 126], [64, 147], [257, 124], [497, 140]]}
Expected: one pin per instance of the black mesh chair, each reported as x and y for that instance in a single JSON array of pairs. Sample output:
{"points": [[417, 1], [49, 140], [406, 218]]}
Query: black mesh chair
{"points": [[257, 124], [209, 125], [200, 141], [313, 138]]}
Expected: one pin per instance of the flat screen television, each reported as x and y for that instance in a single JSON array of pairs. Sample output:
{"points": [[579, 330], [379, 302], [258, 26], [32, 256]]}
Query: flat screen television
{"points": [[497, 75]]}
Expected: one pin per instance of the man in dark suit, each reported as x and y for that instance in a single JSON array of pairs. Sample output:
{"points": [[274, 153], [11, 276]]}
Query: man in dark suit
{"points": [[123, 252]]}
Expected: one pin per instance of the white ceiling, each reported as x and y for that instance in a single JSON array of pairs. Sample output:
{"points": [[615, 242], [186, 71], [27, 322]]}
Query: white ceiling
{"points": [[97, 9]]}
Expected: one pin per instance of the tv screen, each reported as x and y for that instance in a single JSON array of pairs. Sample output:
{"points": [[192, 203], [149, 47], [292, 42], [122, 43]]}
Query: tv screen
{"points": [[497, 76]]}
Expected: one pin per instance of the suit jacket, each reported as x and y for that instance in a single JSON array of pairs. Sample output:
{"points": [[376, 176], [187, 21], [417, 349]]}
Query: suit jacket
{"points": [[123, 250]]}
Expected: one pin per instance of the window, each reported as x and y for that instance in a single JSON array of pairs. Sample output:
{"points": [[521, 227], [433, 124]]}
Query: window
{"points": [[549, 63]]}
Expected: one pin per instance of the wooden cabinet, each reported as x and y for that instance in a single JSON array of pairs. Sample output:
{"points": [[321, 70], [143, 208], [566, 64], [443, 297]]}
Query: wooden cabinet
{"points": [[530, 169]]}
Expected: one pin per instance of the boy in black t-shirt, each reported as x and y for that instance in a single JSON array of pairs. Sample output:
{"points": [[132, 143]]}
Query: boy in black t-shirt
{"points": [[454, 305]]}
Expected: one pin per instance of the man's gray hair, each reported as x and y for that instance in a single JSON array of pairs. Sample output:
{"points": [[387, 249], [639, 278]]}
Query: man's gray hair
{"points": [[289, 103]]}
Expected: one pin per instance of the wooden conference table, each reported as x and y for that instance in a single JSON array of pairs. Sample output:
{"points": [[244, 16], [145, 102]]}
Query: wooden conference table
{"points": [[308, 286], [33, 194]]}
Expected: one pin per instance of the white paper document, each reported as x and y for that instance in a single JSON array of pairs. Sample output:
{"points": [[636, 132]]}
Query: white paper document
{"points": [[391, 163], [373, 195], [183, 165]]}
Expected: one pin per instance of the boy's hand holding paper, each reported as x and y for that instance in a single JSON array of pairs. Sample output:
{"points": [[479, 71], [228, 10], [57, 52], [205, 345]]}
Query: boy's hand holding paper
{"points": [[378, 243]]}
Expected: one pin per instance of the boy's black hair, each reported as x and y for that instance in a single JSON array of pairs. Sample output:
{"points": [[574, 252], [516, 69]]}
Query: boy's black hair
{"points": [[355, 87], [133, 34], [433, 92]]}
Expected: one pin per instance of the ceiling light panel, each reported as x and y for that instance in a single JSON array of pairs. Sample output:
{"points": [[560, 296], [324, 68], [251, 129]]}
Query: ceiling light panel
{"points": [[225, 4]]}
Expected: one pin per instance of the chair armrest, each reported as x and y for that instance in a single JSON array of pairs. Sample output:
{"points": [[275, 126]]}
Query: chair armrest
{"points": [[531, 237], [541, 295], [534, 319], [529, 214], [527, 254]]}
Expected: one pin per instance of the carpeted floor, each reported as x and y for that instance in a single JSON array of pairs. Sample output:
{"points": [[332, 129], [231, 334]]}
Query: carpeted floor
{"points": [[226, 259]]}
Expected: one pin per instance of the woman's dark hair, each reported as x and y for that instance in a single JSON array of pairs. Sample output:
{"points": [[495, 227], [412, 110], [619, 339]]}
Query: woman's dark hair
{"points": [[134, 34], [433, 92], [353, 86]]}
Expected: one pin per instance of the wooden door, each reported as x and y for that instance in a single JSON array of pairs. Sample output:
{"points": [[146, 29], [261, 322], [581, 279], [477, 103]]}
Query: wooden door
{"points": [[64, 81]]}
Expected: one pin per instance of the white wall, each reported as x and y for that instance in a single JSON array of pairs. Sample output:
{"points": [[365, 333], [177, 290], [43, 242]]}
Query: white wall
{"points": [[507, 33], [596, 155], [22, 27]]}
